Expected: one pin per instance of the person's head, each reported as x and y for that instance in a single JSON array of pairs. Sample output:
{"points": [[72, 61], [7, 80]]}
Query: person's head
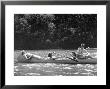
{"points": [[54, 52], [82, 46], [49, 54], [23, 52]]}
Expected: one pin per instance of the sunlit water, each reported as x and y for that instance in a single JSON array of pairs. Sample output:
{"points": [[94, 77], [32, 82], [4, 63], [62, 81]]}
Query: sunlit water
{"points": [[53, 69]]}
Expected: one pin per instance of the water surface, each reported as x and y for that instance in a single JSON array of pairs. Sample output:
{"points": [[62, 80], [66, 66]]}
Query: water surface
{"points": [[53, 69]]}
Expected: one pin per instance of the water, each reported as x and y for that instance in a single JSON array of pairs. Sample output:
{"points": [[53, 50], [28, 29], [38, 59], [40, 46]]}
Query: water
{"points": [[52, 69]]}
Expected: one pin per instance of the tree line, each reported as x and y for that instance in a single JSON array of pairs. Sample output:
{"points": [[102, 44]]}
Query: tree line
{"points": [[54, 31]]}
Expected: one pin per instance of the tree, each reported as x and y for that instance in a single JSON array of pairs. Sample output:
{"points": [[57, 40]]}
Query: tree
{"points": [[61, 30]]}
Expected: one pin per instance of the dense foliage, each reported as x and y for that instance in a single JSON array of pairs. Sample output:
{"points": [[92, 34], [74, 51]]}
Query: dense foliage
{"points": [[64, 31]]}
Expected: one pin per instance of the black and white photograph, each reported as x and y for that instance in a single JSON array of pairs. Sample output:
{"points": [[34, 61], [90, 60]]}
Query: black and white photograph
{"points": [[55, 44]]}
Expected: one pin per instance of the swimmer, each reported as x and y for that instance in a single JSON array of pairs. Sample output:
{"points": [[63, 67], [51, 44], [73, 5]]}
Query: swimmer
{"points": [[74, 57], [30, 56], [51, 57], [81, 51]]}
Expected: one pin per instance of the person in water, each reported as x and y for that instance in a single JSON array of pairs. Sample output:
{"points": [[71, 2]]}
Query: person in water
{"points": [[83, 53], [51, 57], [73, 57], [29, 56]]}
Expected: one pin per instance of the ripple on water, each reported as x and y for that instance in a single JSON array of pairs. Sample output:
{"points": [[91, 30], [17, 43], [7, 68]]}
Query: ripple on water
{"points": [[16, 70], [32, 74], [67, 68], [15, 67], [52, 69], [48, 71], [85, 74], [76, 73], [79, 65], [88, 70], [65, 65], [90, 66], [28, 65], [50, 64]]}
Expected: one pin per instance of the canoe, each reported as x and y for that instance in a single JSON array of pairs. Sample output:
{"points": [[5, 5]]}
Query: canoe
{"points": [[21, 59]]}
